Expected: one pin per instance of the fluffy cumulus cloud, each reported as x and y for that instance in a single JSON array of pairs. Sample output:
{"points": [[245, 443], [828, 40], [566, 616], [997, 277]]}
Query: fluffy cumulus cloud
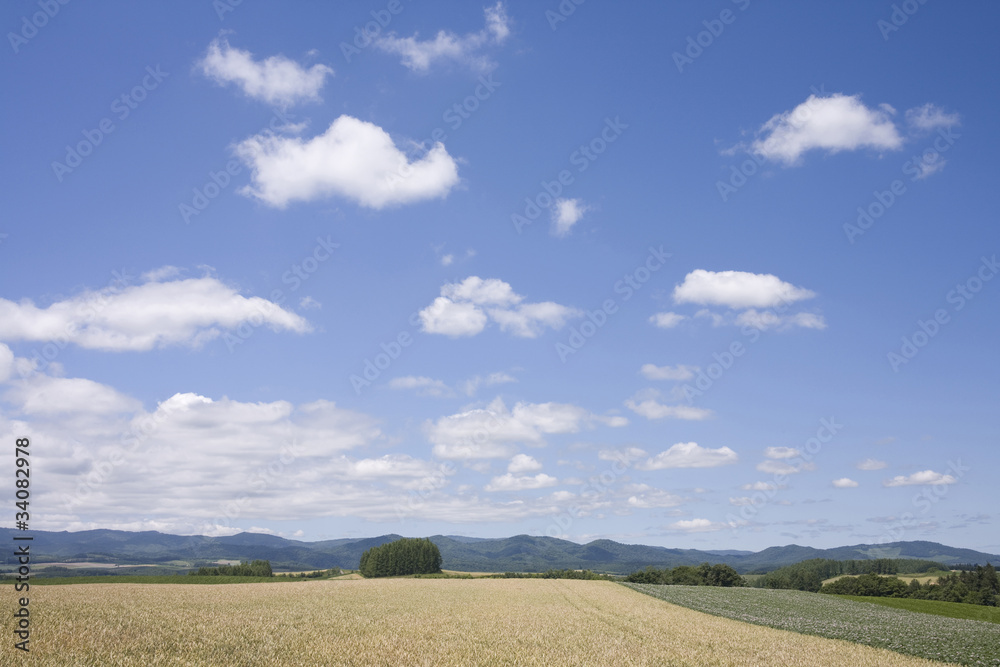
{"points": [[420, 55], [565, 214], [494, 431], [782, 467], [832, 123], [690, 455], [152, 315], [922, 477], [737, 290], [510, 482], [667, 320], [746, 292], [523, 463], [643, 496], [647, 403], [353, 159], [275, 80], [6, 362], [465, 308], [845, 483], [424, 386]]}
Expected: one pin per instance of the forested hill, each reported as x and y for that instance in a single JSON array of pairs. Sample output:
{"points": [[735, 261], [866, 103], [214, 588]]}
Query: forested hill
{"points": [[522, 553]]}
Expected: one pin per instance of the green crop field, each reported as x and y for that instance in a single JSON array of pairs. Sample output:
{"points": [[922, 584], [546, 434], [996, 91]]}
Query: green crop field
{"points": [[966, 642], [405, 621], [973, 612]]}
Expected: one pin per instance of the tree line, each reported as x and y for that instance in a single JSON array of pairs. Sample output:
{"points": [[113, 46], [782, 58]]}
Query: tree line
{"points": [[686, 575], [257, 568], [810, 574], [980, 586], [402, 557]]}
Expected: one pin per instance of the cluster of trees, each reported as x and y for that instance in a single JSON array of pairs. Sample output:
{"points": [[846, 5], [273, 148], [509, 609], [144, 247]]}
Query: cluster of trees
{"points": [[686, 575], [315, 574], [402, 557], [558, 574], [979, 586], [257, 568], [809, 574]]}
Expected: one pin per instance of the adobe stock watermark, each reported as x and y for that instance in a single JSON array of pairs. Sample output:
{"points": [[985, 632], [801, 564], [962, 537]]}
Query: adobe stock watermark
{"points": [[627, 286], [563, 11], [740, 175], [366, 34], [30, 27], [958, 297], [122, 107], [374, 366], [917, 168], [88, 310], [761, 497], [581, 158], [900, 14], [704, 39], [223, 7], [295, 276], [923, 501], [218, 181], [454, 116]]}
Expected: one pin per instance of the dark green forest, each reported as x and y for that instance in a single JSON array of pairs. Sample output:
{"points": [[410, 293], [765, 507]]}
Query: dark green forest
{"points": [[402, 557], [979, 586], [257, 568], [686, 575]]}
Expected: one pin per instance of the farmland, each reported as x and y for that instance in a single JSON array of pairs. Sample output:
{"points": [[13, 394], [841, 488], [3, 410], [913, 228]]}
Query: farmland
{"points": [[966, 642], [407, 622]]}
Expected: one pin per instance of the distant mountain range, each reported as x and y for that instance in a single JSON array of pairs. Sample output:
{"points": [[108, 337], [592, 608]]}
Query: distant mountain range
{"points": [[521, 553]]}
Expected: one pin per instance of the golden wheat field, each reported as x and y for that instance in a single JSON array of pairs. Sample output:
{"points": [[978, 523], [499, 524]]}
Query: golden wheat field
{"points": [[402, 622]]}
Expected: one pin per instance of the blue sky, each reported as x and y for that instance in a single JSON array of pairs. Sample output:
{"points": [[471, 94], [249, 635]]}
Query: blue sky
{"points": [[707, 275]]}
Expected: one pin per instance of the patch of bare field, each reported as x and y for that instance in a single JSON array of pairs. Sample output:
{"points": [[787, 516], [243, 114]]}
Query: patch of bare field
{"points": [[402, 622]]}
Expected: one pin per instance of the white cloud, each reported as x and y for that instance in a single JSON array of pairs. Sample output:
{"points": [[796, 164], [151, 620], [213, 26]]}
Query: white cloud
{"points": [[627, 455], [511, 482], [275, 80], [419, 56], [737, 289], [523, 463], [424, 385], [464, 308], [353, 159], [696, 526], [845, 483], [653, 498], [930, 117], [446, 260], [760, 486], [40, 394], [565, 214], [767, 319], [922, 477], [679, 373], [667, 320], [142, 317], [833, 124], [448, 318], [781, 468], [871, 464], [929, 165], [309, 303], [781, 452], [6, 362], [691, 455], [493, 431], [646, 403], [471, 386]]}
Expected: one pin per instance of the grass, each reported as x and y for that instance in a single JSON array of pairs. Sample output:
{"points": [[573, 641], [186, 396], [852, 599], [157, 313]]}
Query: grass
{"points": [[960, 641], [404, 622], [972, 612]]}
